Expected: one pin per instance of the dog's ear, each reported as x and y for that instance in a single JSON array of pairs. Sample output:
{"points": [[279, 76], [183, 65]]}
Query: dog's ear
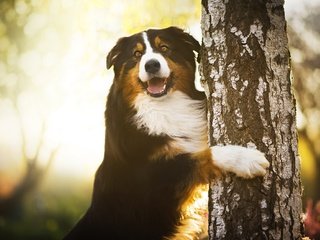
{"points": [[114, 52], [191, 42]]}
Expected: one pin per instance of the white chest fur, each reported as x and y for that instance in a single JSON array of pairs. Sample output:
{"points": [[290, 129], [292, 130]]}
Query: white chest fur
{"points": [[176, 115]]}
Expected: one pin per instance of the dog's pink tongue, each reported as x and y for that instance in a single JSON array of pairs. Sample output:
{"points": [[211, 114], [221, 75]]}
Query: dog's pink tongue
{"points": [[156, 85]]}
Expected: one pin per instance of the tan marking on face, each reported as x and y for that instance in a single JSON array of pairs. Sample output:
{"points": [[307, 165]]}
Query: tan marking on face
{"points": [[162, 45], [139, 47], [129, 81], [157, 41], [130, 84], [184, 77]]}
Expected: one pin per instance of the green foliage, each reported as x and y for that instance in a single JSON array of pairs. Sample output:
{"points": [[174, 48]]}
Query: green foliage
{"points": [[47, 214]]}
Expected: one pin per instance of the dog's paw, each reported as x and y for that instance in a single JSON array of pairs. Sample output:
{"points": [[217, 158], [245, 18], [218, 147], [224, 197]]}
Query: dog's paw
{"points": [[244, 162]]}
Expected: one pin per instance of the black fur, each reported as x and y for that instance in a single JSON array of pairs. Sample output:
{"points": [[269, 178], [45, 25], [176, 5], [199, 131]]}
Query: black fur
{"points": [[133, 197]]}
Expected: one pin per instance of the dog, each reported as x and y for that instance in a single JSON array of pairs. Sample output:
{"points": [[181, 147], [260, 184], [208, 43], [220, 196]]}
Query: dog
{"points": [[157, 160]]}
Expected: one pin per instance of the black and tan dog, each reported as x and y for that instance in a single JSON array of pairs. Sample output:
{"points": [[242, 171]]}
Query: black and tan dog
{"points": [[156, 150]]}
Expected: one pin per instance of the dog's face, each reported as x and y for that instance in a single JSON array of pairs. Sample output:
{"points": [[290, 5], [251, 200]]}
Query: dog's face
{"points": [[154, 62]]}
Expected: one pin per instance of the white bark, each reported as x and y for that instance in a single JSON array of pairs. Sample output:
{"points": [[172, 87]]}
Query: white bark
{"points": [[246, 75]]}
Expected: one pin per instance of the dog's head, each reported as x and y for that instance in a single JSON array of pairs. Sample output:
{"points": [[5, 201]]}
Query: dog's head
{"points": [[155, 62]]}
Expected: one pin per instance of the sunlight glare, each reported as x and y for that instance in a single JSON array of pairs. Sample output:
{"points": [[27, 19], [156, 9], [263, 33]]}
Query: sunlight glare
{"points": [[60, 79]]}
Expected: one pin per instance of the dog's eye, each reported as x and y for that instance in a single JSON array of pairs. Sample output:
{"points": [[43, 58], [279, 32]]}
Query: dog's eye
{"points": [[137, 54], [164, 48]]}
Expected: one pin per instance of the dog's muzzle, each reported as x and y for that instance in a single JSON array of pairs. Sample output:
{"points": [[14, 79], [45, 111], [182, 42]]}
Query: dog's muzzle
{"points": [[157, 81]]}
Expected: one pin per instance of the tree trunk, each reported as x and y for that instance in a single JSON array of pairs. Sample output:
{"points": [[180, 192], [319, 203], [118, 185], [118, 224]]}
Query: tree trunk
{"points": [[246, 74]]}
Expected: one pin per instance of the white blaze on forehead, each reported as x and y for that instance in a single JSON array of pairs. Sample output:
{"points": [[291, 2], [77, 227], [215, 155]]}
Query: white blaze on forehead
{"points": [[149, 54], [147, 43]]}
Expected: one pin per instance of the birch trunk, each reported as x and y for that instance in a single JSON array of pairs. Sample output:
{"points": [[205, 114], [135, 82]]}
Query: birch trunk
{"points": [[245, 70]]}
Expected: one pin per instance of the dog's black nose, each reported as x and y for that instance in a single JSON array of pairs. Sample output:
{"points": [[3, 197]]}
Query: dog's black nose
{"points": [[152, 66]]}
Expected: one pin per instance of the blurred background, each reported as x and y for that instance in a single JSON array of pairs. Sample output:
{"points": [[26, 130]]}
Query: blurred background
{"points": [[53, 87]]}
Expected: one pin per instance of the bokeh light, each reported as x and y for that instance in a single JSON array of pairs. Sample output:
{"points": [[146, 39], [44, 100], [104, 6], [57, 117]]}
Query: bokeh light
{"points": [[53, 89]]}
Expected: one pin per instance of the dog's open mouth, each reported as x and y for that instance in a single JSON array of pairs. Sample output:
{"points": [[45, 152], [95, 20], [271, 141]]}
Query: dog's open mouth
{"points": [[157, 87]]}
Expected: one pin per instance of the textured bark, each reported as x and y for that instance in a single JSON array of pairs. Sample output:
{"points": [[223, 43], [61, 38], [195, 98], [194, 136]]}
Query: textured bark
{"points": [[245, 69]]}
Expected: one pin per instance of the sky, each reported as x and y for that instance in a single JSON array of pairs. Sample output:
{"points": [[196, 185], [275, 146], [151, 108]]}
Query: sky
{"points": [[298, 7]]}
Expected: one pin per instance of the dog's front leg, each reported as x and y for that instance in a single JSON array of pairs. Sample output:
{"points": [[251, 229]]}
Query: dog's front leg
{"points": [[244, 162]]}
